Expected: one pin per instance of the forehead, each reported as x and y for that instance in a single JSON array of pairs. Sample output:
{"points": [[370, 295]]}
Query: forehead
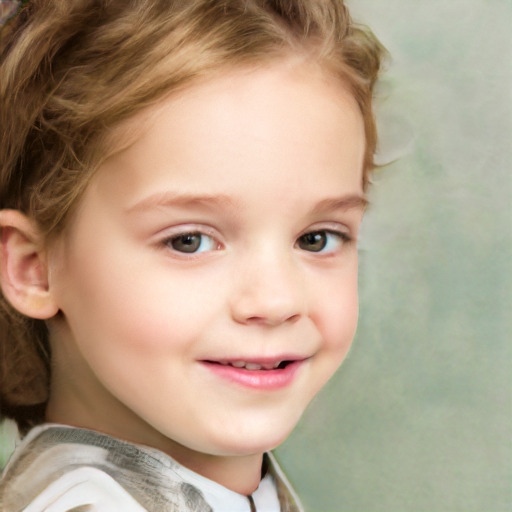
{"points": [[247, 125]]}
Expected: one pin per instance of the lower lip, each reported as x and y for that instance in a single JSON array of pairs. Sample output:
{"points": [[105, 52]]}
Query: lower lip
{"points": [[267, 380]]}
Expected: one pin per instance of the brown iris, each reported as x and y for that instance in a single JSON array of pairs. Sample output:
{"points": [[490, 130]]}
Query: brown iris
{"points": [[314, 241]]}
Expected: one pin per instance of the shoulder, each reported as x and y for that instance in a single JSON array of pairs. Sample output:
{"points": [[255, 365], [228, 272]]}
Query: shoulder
{"points": [[85, 487], [49, 471], [58, 468]]}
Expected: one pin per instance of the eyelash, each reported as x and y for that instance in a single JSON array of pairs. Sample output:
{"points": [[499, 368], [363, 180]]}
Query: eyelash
{"points": [[328, 237]]}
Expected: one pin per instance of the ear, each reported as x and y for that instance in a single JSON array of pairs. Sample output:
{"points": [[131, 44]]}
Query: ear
{"points": [[23, 270]]}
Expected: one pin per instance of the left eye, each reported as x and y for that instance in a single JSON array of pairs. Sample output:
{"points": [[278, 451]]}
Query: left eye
{"points": [[191, 243], [321, 241]]}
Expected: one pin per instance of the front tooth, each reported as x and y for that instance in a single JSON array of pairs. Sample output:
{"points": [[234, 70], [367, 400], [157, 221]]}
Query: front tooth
{"points": [[253, 366], [276, 365], [238, 364]]}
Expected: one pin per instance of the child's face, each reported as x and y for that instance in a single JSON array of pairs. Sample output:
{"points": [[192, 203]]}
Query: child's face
{"points": [[223, 237]]}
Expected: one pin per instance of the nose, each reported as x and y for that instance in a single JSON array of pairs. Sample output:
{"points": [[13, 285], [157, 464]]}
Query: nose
{"points": [[268, 289]]}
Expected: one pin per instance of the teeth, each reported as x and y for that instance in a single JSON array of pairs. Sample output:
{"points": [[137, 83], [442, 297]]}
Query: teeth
{"points": [[253, 366]]}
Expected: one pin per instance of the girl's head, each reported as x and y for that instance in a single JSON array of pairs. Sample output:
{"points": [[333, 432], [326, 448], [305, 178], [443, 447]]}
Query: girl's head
{"points": [[75, 73]]}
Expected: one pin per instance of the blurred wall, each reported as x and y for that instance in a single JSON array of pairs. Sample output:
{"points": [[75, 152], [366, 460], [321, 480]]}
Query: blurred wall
{"points": [[419, 417]]}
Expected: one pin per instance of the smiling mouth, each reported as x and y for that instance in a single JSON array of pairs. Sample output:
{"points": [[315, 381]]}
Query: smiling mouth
{"points": [[260, 374], [252, 366]]}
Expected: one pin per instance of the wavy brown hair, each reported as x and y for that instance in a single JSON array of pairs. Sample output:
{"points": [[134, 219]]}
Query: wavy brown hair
{"points": [[72, 70]]}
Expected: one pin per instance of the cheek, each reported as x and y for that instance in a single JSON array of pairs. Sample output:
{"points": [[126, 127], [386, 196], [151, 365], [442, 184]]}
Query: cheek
{"points": [[338, 313], [135, 306]]}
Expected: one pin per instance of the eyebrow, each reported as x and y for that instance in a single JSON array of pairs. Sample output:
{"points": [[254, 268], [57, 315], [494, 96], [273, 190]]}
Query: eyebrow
{"points": [[349, 202], [170, 199]]}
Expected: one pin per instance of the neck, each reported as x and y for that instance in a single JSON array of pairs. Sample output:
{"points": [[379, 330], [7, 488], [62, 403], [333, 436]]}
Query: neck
{"points": [[241, 474]]}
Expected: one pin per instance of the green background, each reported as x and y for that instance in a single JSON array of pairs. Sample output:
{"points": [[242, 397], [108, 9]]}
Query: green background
{"points": [[418, 419]]}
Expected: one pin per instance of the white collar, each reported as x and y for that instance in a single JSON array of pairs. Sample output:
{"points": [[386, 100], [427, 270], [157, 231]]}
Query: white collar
{"points": [[222, 499]]}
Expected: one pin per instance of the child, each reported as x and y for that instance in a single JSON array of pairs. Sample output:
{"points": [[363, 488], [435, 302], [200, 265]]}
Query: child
{"points": [[181, 189]]}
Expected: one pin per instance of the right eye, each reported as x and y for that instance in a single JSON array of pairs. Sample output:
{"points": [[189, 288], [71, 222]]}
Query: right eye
{"points": [[191, 243]]}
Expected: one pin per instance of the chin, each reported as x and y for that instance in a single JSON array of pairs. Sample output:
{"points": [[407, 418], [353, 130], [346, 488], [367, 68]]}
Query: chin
{"points": [[253, 439]]}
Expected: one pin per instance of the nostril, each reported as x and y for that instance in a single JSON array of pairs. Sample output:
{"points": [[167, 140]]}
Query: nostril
{"points": [[273, 319]]}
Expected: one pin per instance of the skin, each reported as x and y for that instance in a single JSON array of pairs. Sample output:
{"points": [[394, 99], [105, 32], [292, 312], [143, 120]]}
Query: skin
{"points": [[252, 161]]}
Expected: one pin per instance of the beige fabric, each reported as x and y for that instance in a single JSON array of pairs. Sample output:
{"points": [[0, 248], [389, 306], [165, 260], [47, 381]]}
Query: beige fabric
{"points": [[106, 470]]}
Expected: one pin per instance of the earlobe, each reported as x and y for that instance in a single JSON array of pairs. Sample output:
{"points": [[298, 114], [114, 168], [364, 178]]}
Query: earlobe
{"points": [[23, 269]]}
